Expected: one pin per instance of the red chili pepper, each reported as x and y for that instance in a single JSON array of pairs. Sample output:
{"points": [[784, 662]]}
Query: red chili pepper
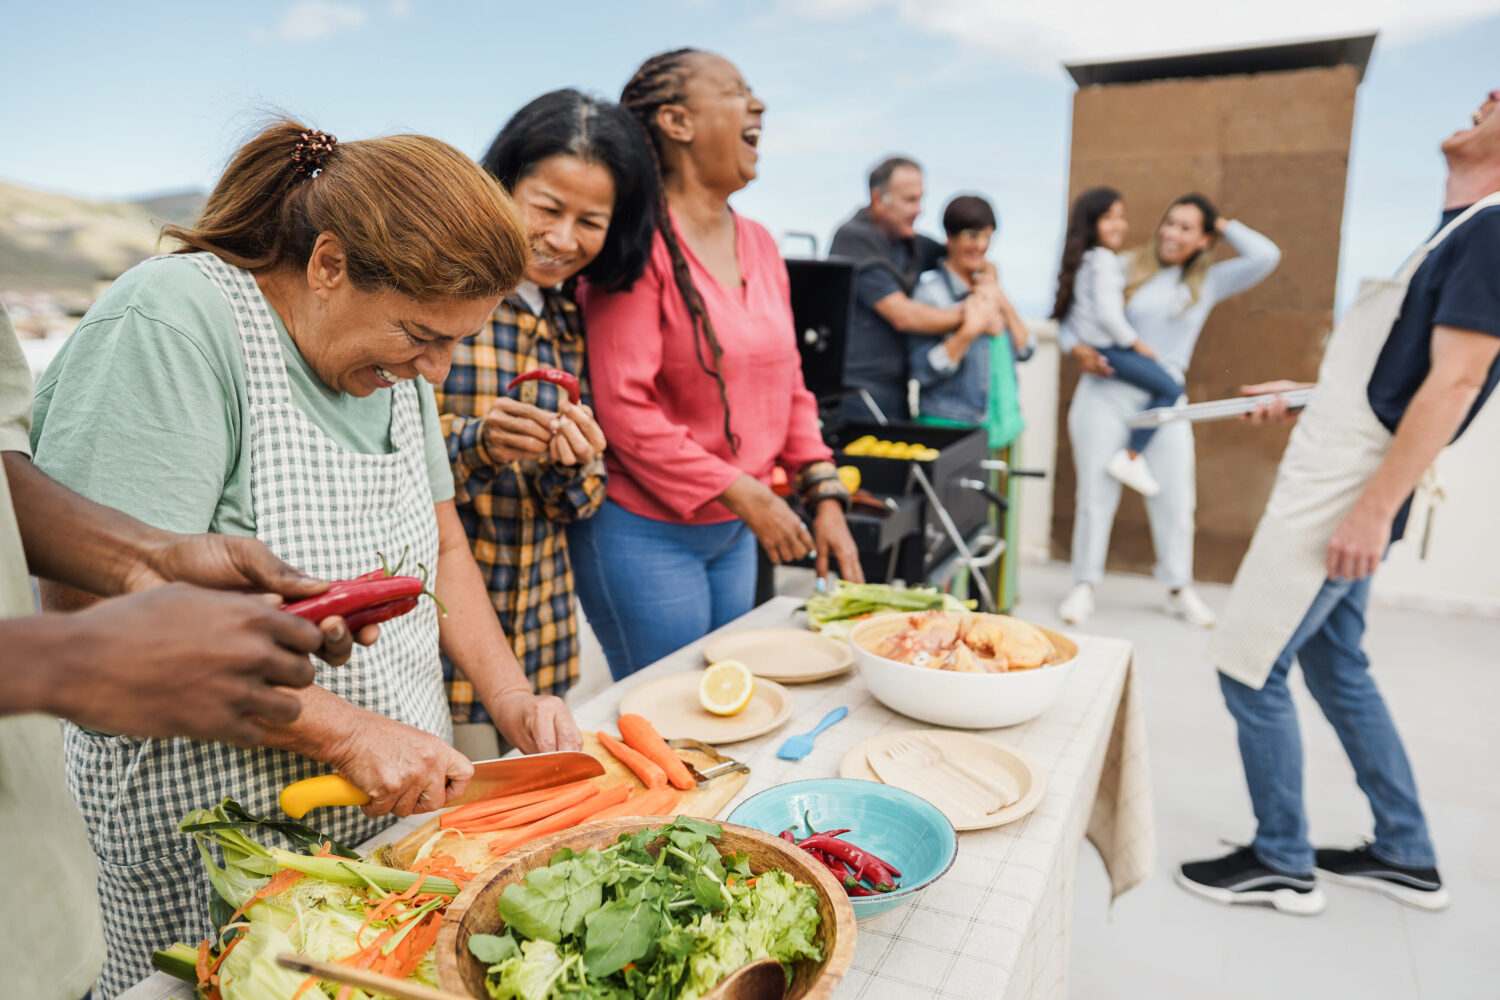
{"points": [[858, 890], [356, 596], [558, 377], [379, 613], [829, 833], [787, 836], [839, 871], [865, 864]]}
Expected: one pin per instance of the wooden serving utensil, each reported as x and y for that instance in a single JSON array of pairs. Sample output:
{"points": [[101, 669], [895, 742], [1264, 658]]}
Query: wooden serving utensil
{"points": [[401, 989], [762, 979]]}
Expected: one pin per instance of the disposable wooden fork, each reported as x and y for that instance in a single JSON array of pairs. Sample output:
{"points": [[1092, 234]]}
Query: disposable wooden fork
{"points": [[919, 751]]}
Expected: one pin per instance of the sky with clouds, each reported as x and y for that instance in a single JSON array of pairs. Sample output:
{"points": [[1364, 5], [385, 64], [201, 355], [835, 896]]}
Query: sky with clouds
{"points": [[115, 100]]}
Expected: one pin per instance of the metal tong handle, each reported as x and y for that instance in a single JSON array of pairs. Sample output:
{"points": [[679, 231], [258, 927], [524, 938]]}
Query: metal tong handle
{"points": [[725, 765]]}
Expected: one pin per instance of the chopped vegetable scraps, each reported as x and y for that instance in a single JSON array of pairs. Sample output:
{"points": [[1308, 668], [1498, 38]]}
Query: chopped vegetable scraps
{"points": [[319, 903]]}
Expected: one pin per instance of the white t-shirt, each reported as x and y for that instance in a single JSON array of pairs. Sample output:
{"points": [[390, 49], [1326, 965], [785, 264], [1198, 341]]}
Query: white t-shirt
{"points": [[1097, 316]]}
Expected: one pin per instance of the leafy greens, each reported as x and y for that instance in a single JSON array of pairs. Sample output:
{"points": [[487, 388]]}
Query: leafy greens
{"points": [[624, 924]]}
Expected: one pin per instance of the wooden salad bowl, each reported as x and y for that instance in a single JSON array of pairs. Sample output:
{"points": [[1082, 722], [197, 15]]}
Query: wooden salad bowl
{"points": [[476, 911]]}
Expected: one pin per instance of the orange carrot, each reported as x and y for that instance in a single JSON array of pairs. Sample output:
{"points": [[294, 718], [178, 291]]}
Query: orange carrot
{"points": [[531, 813], [501, 804], [647, 770], [651, 802], [640, 735], [610, 796]]}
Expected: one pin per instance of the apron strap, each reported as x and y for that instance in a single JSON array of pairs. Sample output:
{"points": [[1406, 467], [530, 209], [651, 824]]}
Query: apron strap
{"points": [[1415, 260]]}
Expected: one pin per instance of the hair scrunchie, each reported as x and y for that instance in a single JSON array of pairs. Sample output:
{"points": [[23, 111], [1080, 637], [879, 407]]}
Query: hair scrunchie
{"points": [[310, 152]]}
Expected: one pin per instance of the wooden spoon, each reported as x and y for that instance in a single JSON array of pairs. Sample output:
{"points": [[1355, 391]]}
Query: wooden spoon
{"points": [[762, 979], [401, 989]]}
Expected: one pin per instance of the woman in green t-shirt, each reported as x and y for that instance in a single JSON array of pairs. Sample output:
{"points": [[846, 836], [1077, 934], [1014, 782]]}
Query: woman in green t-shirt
{"points": [[274, 378]]}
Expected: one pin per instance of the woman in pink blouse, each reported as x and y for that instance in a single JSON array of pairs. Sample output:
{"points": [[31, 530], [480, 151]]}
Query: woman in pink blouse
{"points": [[698, 387]]}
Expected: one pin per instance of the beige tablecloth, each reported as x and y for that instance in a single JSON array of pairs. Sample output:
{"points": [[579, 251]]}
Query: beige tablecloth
{"points": [[997, 924]]}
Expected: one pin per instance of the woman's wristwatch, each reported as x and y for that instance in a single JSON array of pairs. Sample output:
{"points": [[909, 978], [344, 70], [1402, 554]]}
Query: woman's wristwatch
{"points": [[819, 481]]}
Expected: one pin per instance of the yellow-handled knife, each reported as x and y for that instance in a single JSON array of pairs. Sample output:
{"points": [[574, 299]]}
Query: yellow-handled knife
{"points": [[505, 776]]}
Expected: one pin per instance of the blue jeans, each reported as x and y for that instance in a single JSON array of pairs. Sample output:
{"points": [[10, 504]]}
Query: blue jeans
{"points": [[1327, 645], [1144, 373], [650, 587]]}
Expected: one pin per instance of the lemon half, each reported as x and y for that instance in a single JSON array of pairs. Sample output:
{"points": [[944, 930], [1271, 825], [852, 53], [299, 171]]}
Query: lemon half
{"points": [[726, 687]]}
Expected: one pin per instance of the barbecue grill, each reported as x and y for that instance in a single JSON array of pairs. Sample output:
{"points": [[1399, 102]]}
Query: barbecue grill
{"points": [[929, 516]]}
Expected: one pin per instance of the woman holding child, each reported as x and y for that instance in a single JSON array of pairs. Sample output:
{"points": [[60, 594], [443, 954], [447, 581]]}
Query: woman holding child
{"points": [[1167, 291]]}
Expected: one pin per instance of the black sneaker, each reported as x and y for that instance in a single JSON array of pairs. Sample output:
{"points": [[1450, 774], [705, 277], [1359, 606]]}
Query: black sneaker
{"points": [[1240, 878], [1418, 887]]}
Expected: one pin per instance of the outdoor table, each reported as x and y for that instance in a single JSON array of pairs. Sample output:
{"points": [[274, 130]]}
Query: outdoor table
{"points": [[997, 924]]}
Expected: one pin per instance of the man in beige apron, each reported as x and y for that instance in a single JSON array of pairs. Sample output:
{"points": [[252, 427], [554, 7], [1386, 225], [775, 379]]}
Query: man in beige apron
{"points": [[1405, 372]]}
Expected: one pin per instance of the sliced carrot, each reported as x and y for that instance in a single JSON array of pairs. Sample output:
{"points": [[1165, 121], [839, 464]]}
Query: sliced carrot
{"points": [[645, 769], [550, 805], [610, 796], [501, 803], [640, 735], [651, 802]]}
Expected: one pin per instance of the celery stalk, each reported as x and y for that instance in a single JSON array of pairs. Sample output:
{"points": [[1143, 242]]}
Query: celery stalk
{"points": [[361, 874]]}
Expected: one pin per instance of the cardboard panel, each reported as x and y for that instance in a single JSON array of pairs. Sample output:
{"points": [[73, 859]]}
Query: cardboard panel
{"points": [[1302, 111], [1270, 149], [1162, 119], [1296, 199]]}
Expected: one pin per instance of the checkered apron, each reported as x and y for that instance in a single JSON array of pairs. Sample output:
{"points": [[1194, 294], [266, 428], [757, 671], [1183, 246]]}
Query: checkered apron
{"points": [[327, 511], [1335, 449]]}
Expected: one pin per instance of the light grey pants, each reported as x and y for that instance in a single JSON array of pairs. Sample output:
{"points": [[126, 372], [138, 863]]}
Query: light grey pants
{"points": [[1097, 428]]}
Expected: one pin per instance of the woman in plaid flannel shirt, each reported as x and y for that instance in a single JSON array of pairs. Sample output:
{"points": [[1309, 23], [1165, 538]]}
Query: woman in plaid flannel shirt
{"points": [[528, 463]]}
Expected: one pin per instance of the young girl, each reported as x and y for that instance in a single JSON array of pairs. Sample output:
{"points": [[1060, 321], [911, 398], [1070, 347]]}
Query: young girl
{"points": [[1091, 307]]}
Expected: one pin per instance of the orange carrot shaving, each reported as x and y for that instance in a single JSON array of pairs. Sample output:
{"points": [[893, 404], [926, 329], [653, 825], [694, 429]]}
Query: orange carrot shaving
{"points": [[640, 735], [444, 866], [281, 881], [648, 771], [203, 966]]}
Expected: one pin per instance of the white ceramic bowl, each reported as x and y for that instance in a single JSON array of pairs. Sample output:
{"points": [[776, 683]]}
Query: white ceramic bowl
{"points": [[950, 698]]}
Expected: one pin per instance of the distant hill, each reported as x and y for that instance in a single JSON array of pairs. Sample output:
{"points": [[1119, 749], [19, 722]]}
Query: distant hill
{"points": [[64, 246]]}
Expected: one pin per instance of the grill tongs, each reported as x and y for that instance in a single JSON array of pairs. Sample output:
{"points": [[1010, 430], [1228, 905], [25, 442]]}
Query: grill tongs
{"points": [[723, 765]]}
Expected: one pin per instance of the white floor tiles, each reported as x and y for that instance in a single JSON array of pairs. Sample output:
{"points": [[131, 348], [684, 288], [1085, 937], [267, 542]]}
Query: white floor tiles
{"points": [[1441, 676]]}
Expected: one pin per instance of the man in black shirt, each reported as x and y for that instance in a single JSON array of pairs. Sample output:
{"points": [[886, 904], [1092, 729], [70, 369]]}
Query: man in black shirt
{"points": [[1431, 367], [889, 255]]}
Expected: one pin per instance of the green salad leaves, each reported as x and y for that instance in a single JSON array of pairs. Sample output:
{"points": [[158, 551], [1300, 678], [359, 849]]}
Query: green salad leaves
{"points": [[624, 924]]}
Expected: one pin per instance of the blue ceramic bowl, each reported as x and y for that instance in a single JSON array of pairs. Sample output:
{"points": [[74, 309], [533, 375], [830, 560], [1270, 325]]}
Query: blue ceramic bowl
{"points": [[897, 826]]}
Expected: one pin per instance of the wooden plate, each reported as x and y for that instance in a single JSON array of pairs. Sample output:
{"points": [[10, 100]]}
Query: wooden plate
{"points": [[788, 655], [475, 910], [981, 755], [671, 703]]}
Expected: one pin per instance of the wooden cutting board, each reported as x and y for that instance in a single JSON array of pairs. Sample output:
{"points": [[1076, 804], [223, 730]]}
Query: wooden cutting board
{"points": [[473, 852]]}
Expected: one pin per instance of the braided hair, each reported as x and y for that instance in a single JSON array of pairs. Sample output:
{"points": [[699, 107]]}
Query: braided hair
{"points": [[659, 82]]}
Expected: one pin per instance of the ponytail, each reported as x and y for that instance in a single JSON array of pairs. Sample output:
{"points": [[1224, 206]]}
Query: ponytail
{"points": [[412, 214]]}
